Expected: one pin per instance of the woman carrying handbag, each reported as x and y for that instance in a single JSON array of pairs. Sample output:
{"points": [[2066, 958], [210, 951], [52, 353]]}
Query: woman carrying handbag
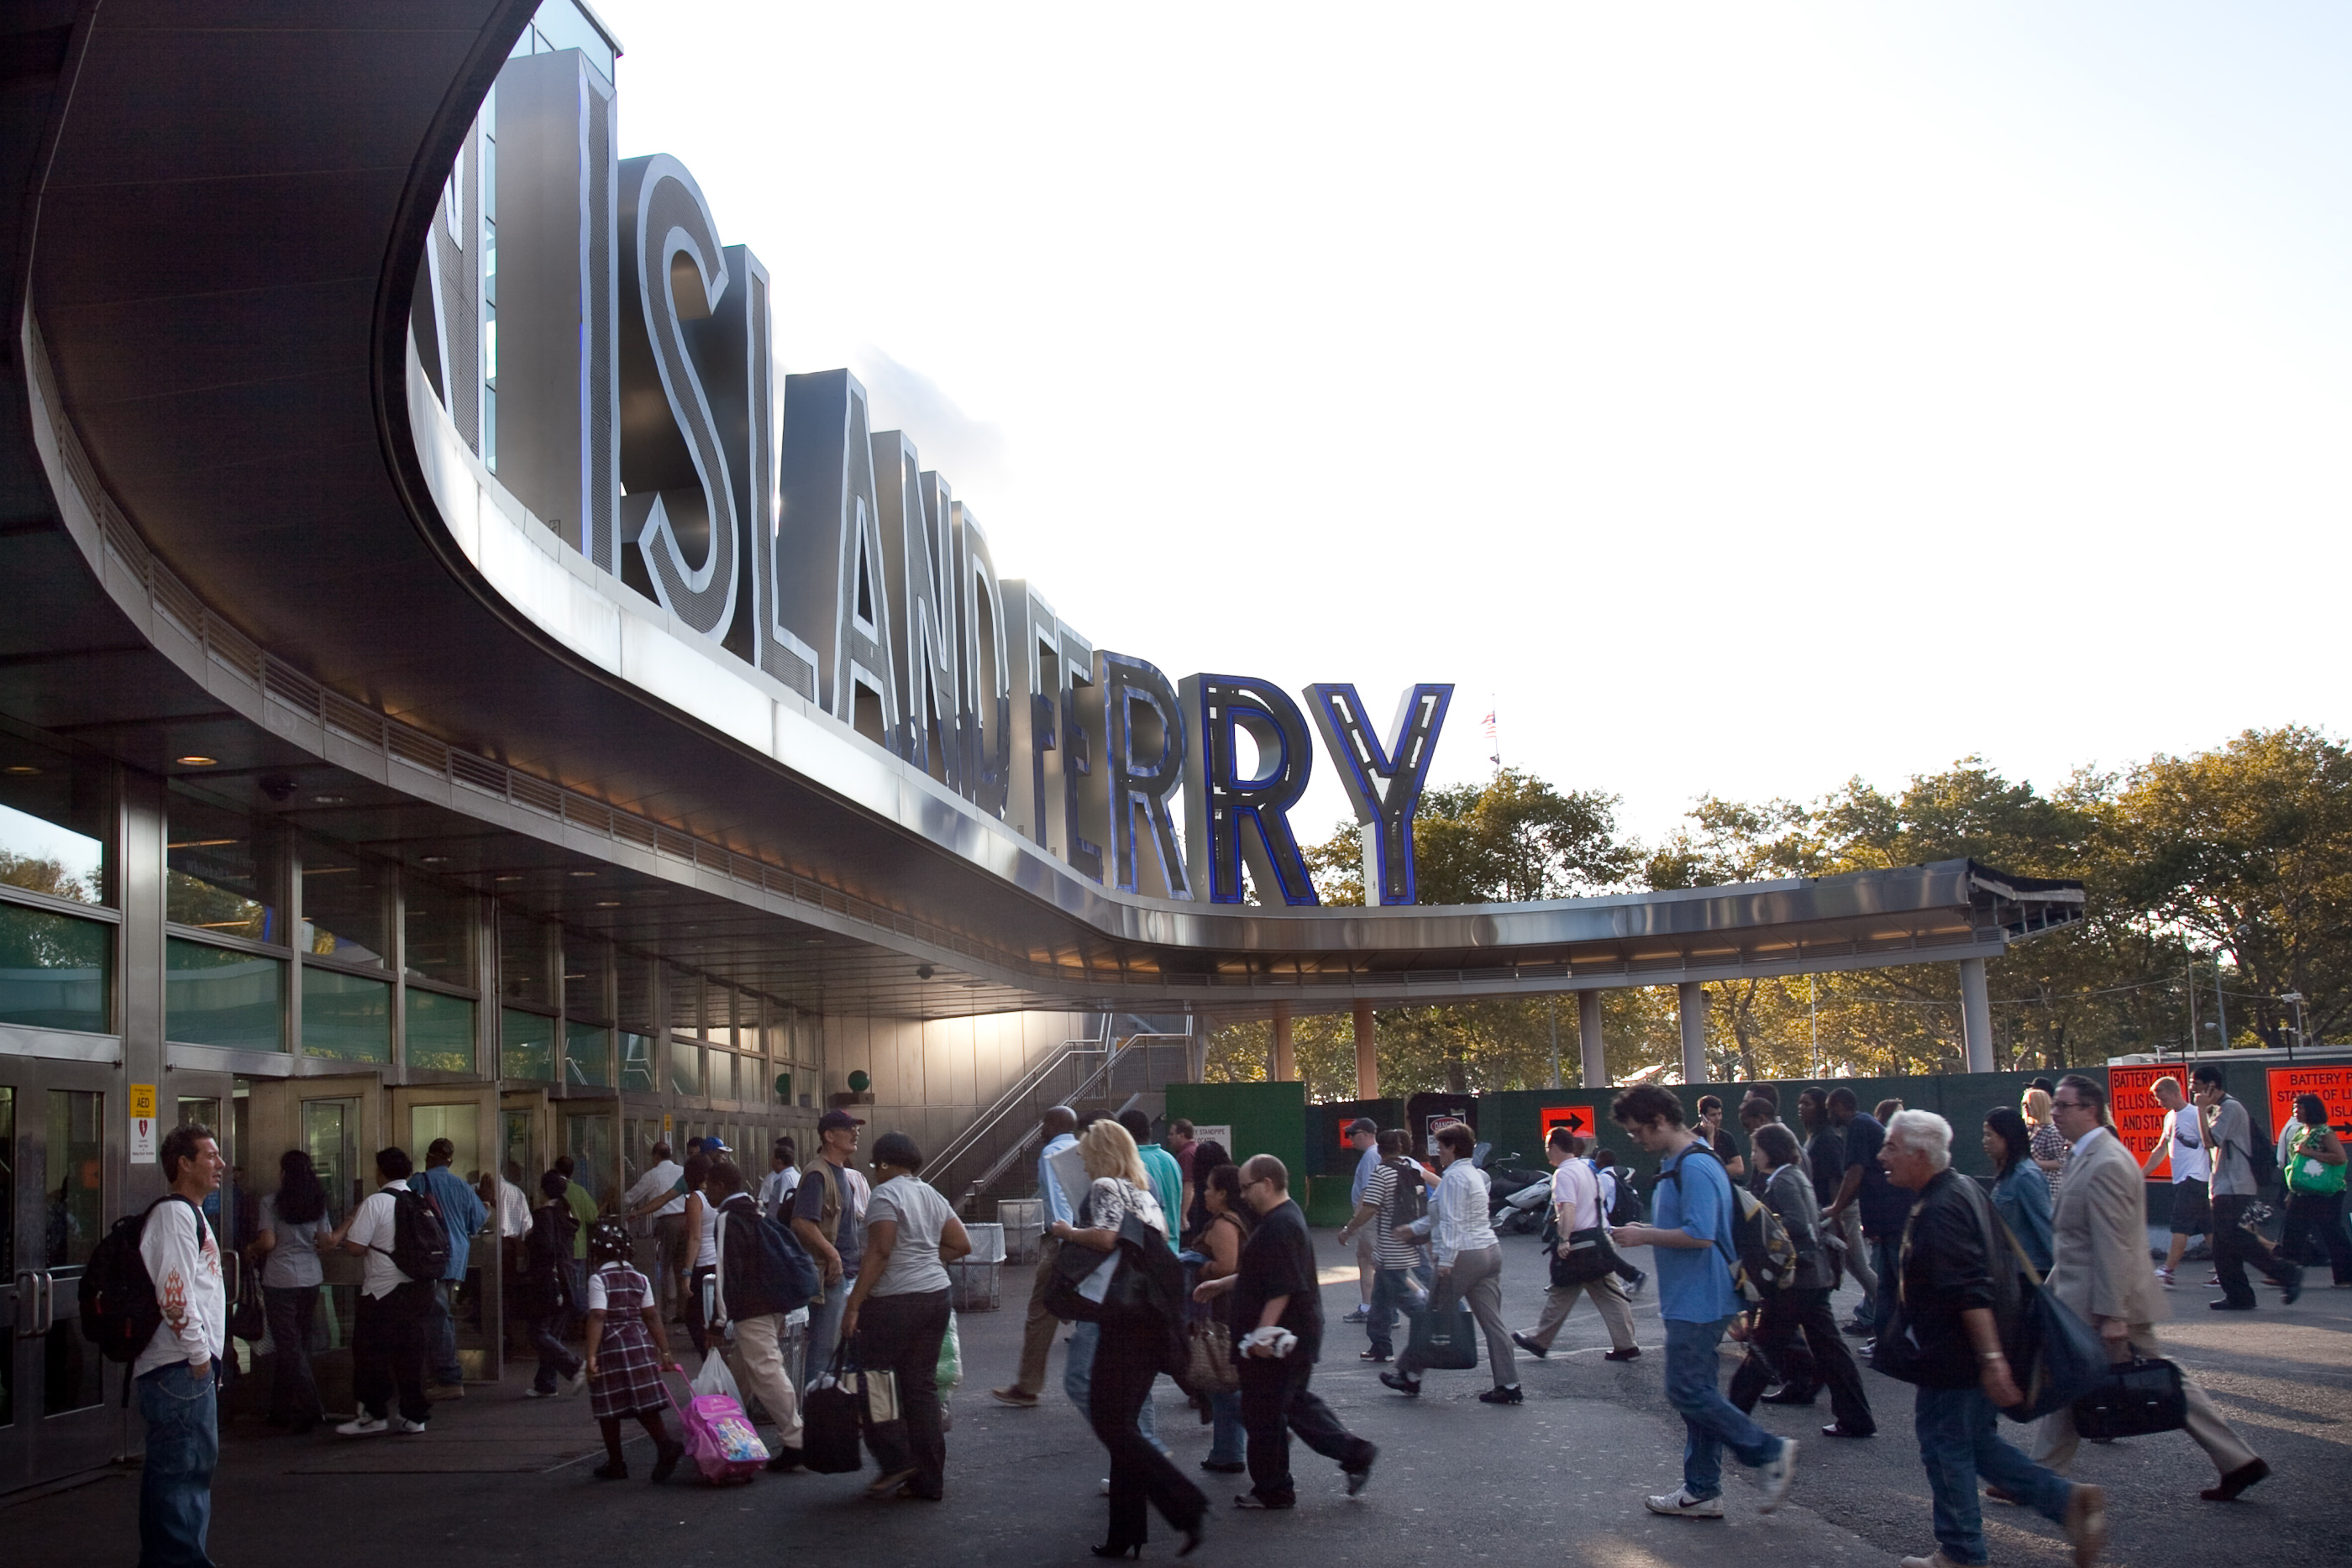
{"points": [[1138, 1329], [1220, 1243]]}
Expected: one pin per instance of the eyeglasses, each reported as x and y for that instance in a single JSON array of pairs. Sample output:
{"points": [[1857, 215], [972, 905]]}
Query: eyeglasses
{"points": [[2070, 1105]]}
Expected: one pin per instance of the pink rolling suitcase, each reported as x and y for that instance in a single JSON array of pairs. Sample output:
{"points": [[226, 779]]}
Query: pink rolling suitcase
{"points": [[719, 1437]]}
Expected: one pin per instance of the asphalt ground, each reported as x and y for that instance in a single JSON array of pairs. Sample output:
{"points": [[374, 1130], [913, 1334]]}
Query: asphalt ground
{"points": [[1560, 1478]]}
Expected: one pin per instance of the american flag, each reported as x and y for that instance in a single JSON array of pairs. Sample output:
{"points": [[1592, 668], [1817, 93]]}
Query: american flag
{"points": [[1494, 740]]}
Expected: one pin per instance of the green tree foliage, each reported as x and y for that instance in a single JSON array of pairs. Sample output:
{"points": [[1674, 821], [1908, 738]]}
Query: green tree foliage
{"points": [[2231, 869]]}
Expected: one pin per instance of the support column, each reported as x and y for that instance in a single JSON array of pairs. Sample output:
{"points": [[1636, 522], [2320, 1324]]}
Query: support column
{"points": [[1691, 998], [1368, 1068], [1588, 1031], [1285, 1061], [1976, 1016]]}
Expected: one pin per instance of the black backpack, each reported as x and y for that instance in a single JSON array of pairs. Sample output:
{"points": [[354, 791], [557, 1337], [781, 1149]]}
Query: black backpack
{"points": [[768, 1269], [2262, 1156], [1410, 1202], [119, 1313], [420, 1240], [1625, 1208], [1765, 1258]]}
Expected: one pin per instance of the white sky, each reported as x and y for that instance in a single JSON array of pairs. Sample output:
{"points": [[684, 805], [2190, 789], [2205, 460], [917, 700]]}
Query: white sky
{"points": [[1746, 397]]}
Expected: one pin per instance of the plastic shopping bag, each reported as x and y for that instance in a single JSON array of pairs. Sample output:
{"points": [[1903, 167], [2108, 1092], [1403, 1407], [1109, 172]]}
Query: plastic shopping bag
{"points": [[714, 1378], [951, 1372]]}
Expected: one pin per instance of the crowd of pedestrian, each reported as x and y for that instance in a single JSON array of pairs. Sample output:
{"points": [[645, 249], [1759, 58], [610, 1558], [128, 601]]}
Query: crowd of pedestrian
{"points": [[794, 1274]]}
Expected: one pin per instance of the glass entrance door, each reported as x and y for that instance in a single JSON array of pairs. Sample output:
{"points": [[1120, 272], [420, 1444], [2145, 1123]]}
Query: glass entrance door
{"points": [[63, 1128]]}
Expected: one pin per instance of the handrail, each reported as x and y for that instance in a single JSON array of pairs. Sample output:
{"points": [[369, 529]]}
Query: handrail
{"points": [[1022, 1088], [1019, 1145]]}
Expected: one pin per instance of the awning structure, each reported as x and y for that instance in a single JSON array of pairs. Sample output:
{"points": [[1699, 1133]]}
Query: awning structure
{"points": [[221, 544]]}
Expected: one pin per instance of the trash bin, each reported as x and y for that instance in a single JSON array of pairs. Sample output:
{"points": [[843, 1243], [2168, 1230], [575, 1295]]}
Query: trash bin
{"points": [[987, 1242], [1024, 1219], [974, 1286]]}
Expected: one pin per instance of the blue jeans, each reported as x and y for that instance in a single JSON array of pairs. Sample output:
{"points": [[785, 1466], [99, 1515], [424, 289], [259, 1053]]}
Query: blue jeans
{"points": [[1711, 1422], [1960, 1442], [825, 1329], [441, 1337], [1886, 1258], [175, 1485], [1228, 1439], [1078, 1380], [1393, 1288]]}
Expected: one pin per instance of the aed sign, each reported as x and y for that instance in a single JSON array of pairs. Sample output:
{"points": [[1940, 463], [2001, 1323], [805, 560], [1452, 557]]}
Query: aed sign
{"points": [[2332, 1084], [143, 1123], [1584, 1120], [2139, 1118], [627, 400]]}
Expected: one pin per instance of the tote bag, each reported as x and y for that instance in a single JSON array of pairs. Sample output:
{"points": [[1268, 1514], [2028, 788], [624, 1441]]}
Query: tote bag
{"points": [[1445, 1336]]}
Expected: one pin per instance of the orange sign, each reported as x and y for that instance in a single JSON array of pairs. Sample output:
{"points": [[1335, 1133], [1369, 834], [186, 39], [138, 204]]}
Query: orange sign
{"points": [[2139, 1119], [2332, 1084], [1582, 1120]]}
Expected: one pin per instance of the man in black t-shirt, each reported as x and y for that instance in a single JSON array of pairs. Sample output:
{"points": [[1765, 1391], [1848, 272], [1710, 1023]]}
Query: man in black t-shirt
{"points": [[1276, 1288]]}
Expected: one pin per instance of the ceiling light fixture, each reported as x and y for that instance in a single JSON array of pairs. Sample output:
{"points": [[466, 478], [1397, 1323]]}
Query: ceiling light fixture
{"points": [[330, 800], [608, 903], [511, 876], [19, 770], [198, 761], [437, 860], [581, 874]]}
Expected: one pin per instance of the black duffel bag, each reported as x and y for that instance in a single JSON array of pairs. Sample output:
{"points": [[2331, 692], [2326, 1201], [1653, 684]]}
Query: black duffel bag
{"points": [[2136, 1397], [832, 1417]]}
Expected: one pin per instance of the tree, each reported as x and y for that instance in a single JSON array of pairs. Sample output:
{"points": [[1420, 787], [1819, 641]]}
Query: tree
{"points": [[1514, 839]]}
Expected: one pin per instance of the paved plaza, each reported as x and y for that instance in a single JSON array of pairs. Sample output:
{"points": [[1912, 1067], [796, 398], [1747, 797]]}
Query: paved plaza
{"points": [[502, 1480]]}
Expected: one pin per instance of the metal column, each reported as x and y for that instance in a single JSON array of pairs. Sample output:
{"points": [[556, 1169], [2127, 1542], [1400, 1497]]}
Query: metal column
{"points": [[1588, 1030], [1367, 1070], [1976, 1016], [1693, 999], [1285, 1061]]}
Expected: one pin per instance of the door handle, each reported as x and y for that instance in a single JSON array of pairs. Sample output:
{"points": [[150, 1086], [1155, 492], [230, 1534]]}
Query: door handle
{"points": [[48, 1302]]}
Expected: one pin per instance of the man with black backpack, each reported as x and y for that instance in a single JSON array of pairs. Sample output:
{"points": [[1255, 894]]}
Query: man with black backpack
{"points": [[174, 1372], [1394, 1199], [2242, 1163], [404, 1246], [763, 1274]]}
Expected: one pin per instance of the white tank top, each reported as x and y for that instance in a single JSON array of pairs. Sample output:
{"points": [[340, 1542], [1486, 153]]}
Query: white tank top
{"points": [[706, 1255], [2190, 1160]]}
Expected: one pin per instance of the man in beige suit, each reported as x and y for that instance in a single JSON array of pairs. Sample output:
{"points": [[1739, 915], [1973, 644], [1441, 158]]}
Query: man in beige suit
{"points": [[2099, 1240]]}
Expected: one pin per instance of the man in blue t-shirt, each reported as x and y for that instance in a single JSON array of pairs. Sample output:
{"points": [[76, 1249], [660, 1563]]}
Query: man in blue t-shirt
{"points": [[1693, 1213]]}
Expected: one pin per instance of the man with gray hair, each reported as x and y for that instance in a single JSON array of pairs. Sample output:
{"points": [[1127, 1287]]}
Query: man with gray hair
{"points": [[1944, 1337]]}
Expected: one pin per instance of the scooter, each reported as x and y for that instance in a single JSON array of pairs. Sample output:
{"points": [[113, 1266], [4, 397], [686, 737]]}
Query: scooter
{"points": [[1517, 1198]]}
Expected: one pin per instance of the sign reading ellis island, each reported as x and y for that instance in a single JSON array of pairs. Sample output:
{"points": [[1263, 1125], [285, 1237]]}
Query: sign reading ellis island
{"points": [[608, 360]]}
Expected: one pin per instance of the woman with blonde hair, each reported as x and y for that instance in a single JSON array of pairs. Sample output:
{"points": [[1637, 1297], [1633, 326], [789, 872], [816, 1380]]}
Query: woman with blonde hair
{"points": [[1128, 1353], [2049, 1146]]}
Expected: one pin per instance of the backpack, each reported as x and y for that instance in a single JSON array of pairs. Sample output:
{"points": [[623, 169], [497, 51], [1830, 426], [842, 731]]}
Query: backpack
{"points": [[1625, 1205], [547, 1246], [764, 1267], [2263, 1157], [420, 1241], [1409, 1203], [119, 1313], [1767, 1259]]}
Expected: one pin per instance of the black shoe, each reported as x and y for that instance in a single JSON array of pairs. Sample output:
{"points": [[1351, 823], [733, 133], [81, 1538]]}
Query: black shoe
{"points": [[2293, 1286], [1116, 1549], [1219, 1467], [1837, 1429], [2236, 1481], [1631, 1353], [1358, 1479], [784, 1459], [1854, 1328], [1503, 1394], [609, 1471], [2230, 1306], [1789, 1396], [1372, 1355], [1408, 1386], [1529, 1346], [665, 1460]]}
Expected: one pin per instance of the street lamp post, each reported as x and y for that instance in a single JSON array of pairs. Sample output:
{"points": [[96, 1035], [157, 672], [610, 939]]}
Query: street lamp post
{"points": [[2296, 997]]}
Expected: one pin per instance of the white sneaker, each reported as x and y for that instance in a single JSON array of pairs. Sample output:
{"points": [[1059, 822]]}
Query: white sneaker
{"points": [[1776, 1475], [1680, 1504], [576, 1382], [363, 1427], [404, 1426]]}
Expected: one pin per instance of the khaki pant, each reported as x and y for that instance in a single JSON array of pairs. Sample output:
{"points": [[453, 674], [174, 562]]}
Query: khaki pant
{"points": [[1367, 1262], [2054, 1440], [759, 1368], [1037, 1334], [1609, 1299]]}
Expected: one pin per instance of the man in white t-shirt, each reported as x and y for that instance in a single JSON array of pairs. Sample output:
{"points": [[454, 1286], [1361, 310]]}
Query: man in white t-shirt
{"points": [[782, 1180], [660, 1192], [388, 1332], [2184, 1139], [1575, 1205], [175, 1372]]}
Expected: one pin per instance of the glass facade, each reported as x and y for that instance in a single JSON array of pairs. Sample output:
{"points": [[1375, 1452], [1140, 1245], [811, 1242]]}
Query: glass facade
{"points": [[587, 1055], [54, 970], [440, 1033], [526, 1044], [637, 1071], [53, 817], [346, 904], [525, 952], [685, 1068], [218, 996], [347, 1017], [222, 870], [438, 922], [587, 965]]}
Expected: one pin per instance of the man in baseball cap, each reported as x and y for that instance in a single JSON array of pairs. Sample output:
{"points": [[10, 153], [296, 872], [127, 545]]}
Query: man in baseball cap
{"points": [[1364, 1137], [829, 1218]]}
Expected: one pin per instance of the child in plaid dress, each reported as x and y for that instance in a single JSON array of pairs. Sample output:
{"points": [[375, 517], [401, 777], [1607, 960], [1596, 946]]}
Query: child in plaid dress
{"points": [[628, 1353]]}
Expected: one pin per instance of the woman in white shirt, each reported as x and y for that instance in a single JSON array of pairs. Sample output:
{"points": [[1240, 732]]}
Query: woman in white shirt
{"points": [[287, 1249], [1469, 1264], [699, 1253], [899, 1313]]}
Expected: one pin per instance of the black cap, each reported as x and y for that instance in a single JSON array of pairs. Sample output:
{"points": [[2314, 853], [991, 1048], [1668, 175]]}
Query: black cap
{"points": [[833, 1120], [1363, 1124]]}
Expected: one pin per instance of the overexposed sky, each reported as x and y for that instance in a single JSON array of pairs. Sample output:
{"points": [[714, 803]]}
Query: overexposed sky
{"points": [[1744, 397]]}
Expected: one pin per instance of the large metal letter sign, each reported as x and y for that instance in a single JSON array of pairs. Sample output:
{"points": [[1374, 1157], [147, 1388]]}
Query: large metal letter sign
{"points": [[1143, 744], [831, 527], [1219, 803], [987, 669], [1384, 786], [678, 516], [916, 550], [1084, 808]]}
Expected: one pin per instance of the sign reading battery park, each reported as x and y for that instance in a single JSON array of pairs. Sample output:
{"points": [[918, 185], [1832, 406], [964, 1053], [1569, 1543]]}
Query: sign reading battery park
{"points": [[612, 367]]}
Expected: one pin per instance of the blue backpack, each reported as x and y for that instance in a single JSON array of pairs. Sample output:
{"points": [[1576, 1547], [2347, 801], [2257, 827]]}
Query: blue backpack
{"points": [[768, 1269]]}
